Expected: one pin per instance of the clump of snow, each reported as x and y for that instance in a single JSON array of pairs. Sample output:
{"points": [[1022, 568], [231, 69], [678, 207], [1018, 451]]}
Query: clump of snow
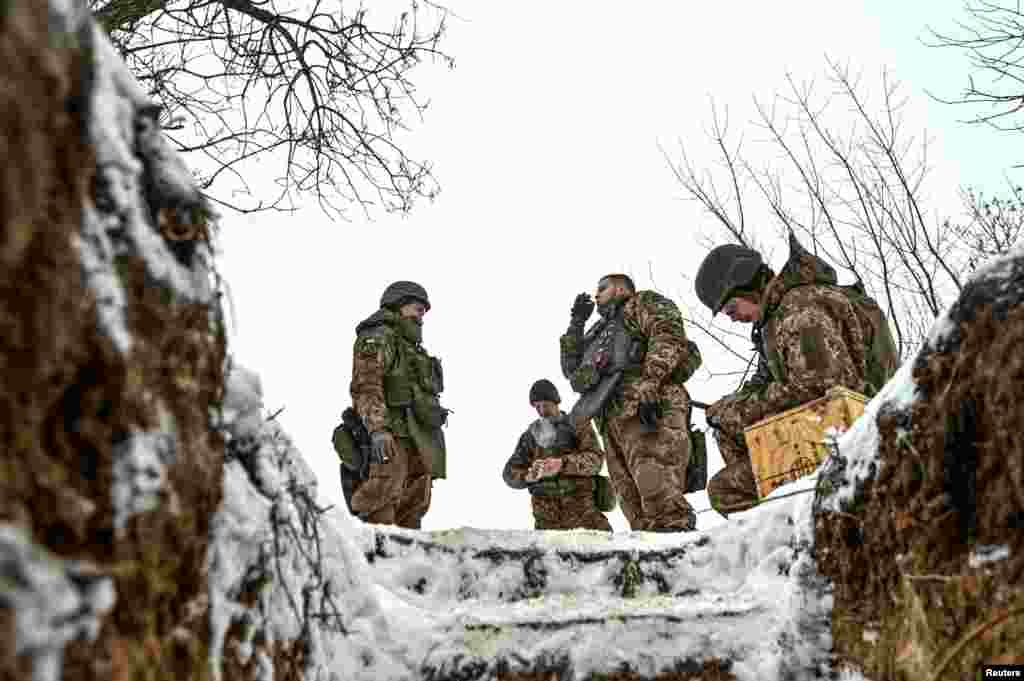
{"points": [[54, 601], [856, 455], [130, 151], [311, 583], [140, 473], [996, 272], [988, 553]]}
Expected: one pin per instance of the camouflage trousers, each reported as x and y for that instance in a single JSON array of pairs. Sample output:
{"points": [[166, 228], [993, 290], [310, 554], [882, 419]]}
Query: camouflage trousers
{"points": [[648, 467], [570, 511], [396, 492], [733, 488]]}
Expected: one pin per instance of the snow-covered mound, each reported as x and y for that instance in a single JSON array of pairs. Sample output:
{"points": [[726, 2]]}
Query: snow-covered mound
{"points": [[920, 511], [373, 602]]}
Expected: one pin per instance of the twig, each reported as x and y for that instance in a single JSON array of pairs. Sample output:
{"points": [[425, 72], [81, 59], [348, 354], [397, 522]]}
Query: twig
{"points": [[734, 507], [275, 414]]}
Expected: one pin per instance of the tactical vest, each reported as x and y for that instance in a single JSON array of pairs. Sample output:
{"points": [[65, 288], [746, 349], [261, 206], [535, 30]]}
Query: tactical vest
{"points": [[412, 386], [618, 343]]}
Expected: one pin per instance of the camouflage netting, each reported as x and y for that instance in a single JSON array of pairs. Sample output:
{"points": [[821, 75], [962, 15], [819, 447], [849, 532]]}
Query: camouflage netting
{"points": [[928, 557], [110, 470]]}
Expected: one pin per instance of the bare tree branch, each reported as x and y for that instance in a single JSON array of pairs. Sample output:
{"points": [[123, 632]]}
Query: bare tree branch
{"points": [[320, 96]]}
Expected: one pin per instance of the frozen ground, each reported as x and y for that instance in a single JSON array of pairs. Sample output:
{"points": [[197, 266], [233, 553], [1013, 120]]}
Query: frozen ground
{"points": [[378, 602]]}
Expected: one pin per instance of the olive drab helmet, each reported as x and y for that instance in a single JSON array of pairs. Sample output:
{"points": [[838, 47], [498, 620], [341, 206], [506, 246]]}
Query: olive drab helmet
{"points": [[400, 290], [726, 268]]}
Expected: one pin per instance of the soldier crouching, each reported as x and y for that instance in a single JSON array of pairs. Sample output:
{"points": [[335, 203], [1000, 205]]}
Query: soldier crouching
{"points": [[559, 465]]}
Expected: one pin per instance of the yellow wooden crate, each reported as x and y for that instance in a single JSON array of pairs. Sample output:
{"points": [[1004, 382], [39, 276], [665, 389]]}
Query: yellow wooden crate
{"points": [[790, 445]]}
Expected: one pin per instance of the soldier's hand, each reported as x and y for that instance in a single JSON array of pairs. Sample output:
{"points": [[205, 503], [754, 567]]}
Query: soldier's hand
{"points": [[544, 468], [382, 444], [550, 467], [582, 308], [533, 474]]}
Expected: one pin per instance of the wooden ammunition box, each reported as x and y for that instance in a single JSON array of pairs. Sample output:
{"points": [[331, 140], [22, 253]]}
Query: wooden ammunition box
{"points": [[790, 445]]}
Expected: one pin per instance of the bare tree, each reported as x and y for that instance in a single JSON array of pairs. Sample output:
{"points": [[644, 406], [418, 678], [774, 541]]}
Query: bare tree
{"points": [[993, 224], [993, 38], [317, 95], [847, 177]]}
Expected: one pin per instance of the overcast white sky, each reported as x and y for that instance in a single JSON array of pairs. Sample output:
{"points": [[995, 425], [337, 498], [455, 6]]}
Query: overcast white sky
{"points": [[544, 139]]}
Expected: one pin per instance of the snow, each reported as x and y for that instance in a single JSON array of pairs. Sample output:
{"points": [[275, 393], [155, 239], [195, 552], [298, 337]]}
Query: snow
{"points": [[54, 601], [380, 602], [988, 553], [140, 471], [130, 150], [858, 446]]}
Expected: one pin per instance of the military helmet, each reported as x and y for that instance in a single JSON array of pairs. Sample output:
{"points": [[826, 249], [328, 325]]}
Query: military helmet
{"points": [[544, 390], [400, 290], [726, 268]]}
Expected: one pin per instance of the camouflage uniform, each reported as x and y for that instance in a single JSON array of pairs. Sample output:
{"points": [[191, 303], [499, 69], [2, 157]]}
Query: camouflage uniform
{"points": [[647, 466], [809, 339], [393, 381], [565, 501]]}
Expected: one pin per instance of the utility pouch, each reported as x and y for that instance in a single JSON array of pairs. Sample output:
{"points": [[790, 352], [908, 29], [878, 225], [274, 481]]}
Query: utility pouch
{"points": [[697, 468], [345, 447], [604, 495], [351, 443], [553, 487], [436, 376], [427, 409]]}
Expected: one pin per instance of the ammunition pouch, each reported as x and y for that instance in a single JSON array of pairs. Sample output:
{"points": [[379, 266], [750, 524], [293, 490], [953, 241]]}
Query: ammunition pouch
{"points": [[604, 495], [697, 467], [427, 409], [352, 444], [397, 390], [553, 487], [436, 376], [346, 448]]}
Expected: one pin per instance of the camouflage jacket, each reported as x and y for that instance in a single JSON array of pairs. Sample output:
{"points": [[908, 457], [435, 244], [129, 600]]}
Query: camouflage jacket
{"points": [[391, 374], [810, 338], [664, 356], [581, 455]]}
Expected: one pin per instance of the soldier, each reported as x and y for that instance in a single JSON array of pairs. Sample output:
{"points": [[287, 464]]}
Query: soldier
{"points": [[630, 368], [810, 336], [558, 464], [395, 388]]}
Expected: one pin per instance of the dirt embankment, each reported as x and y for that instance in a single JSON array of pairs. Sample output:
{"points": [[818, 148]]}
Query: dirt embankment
{"points": [[928, 559], [74, 407]]}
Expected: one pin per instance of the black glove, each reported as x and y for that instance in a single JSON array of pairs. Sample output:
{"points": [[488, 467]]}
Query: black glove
{"points": [[582, 308], [380, 442], [649, 413]]}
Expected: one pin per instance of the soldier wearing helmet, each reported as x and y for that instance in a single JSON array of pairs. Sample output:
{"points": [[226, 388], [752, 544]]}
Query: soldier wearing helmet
{"points": [[395, 391], [559, 464], [809, 338], [630, 369]]}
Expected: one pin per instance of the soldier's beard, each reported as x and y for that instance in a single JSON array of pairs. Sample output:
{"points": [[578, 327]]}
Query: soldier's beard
{"points": [[411, 329], [608, 309]]}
